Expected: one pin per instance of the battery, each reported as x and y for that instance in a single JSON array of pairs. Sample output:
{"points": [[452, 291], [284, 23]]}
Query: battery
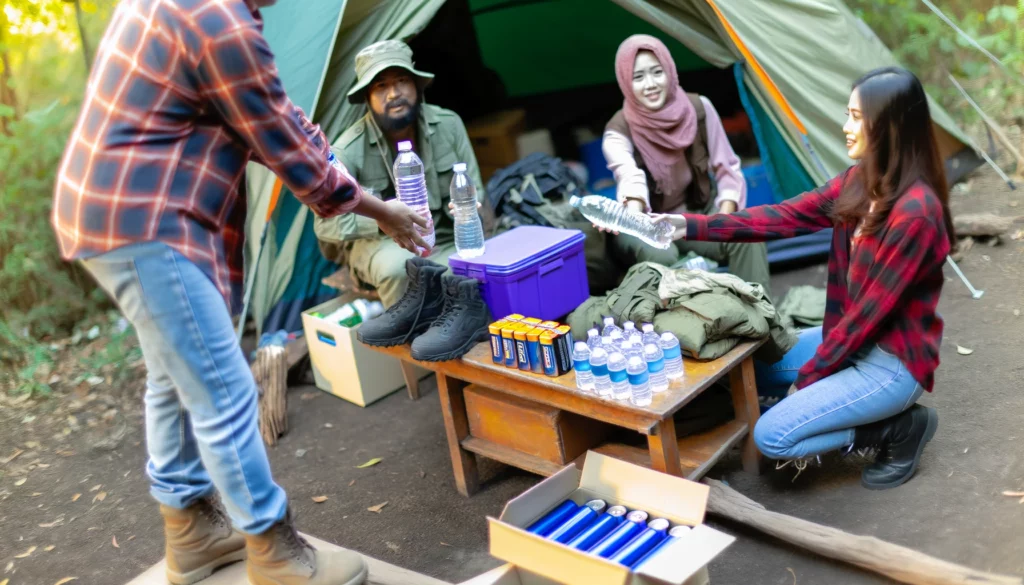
{"points": [[532, 321], [673, 535], [599, 529], [550, 324], [634, 550], [579, 521], [497, 352], [508, 342], [555, 352], [636, 522], [566, 332], [514, 318], [522, 358], [553, 519], [533, 349]]}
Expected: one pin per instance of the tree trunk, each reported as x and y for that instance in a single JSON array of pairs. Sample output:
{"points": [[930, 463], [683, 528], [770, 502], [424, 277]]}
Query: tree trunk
{"points": [[84, 40], [7, 95]]}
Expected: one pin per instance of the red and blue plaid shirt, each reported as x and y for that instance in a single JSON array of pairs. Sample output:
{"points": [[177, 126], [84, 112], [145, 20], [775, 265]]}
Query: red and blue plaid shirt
{"points": [[183, 95], [886, 293]]}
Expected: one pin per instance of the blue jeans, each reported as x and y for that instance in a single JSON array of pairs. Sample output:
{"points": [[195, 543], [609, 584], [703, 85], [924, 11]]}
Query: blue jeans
{"points": [[201, 398], [822, 417]]}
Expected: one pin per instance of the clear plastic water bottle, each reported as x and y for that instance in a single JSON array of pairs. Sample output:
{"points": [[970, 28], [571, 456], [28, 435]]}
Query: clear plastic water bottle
{"points": [[607, 344], [581, 363], [655, 358], [650, 336], [412, 187], [618, 375], [469, 230], [593, 339], [673, 356], [631, 348], [609, 326], [599, 369], [617, 338], [612, 215], [639, 387]]}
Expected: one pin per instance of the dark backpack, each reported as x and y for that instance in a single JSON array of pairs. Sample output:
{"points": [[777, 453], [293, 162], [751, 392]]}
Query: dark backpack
{"points": [[517, 191]]}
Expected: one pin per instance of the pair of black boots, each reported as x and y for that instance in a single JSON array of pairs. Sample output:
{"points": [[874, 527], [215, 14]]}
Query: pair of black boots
{"points": [[898, 441], [443, 315]]}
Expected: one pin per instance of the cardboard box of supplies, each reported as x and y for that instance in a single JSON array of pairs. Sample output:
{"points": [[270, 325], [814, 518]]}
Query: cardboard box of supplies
{"points": [[344, 367], [681, 562]]}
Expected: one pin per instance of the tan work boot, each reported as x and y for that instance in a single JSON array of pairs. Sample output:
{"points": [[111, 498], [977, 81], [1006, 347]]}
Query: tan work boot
{"points": [[280, 556], [199, 541]]}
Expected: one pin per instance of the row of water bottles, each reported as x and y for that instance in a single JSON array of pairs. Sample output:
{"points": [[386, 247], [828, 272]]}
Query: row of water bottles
{"points": [[627, 363]]}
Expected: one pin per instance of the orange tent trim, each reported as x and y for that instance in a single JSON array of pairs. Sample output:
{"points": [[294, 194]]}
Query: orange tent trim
{"points": [[275, 194], [773, 90]]}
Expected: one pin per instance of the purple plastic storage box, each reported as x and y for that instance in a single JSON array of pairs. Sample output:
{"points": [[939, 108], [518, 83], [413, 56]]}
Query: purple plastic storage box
{"points": [[531, 270]]}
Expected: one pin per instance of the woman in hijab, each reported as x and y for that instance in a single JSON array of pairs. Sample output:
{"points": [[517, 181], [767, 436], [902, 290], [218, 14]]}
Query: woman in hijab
{"points": [[663, 147]]}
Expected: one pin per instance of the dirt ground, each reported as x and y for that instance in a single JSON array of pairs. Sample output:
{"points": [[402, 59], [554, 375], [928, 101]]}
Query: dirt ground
{"points": [[74, 502]]}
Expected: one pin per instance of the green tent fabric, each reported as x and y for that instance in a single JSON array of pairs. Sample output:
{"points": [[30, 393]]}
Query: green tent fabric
{"points": [[811, 50]]}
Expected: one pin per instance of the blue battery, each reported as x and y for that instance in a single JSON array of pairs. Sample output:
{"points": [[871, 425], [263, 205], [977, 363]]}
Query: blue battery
{"points": [[553, 519], [673, 535], [634, 550], [636, 522], [578, 522], [599, 529]]}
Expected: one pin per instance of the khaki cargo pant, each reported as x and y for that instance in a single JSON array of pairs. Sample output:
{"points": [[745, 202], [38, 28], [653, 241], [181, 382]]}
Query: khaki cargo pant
{"points": [[380, 263]]}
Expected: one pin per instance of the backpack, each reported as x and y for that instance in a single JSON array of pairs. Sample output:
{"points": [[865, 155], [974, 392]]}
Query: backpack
{"points": [[518, 192]]}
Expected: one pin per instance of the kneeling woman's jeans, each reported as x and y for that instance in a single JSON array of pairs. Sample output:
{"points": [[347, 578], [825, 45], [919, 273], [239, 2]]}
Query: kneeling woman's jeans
{"points": [[822, 417]]}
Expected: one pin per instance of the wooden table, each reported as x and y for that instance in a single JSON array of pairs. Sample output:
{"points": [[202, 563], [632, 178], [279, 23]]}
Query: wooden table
{"points": [[690, 457]]}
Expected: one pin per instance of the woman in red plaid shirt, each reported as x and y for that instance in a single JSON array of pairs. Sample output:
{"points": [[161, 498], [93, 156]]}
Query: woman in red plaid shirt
{"points": [[881, 334]]}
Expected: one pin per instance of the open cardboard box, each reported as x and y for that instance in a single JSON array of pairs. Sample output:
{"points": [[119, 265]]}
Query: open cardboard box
{"points": [[682, 562]]}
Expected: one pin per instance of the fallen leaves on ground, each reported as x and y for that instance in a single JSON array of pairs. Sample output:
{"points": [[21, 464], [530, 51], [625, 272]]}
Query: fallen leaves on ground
{"points": [[963, 350], [100, 497], [75, 497], [9, 566], [1012, 494], [56, 522], [376, 509], [328, 426], [5, 582], [319, 499], [17, 453], [113, 541], [21, 481], [27, 553], [66, 580], [370, 463], [352, 483], [96, 487], [49, 548]]}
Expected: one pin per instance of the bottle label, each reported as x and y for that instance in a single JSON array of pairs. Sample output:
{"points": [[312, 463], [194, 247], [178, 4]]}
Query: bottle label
{"points": [[581, 365], [599, 370], [638, 379], [618, 375], [673, 352], [656, 366]]}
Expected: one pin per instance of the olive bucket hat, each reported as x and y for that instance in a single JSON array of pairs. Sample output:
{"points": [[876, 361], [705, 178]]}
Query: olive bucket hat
{"points": [[379, 56]]}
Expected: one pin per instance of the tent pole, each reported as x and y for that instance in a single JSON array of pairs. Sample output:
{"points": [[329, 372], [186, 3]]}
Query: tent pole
{"points": [[968, 38]]}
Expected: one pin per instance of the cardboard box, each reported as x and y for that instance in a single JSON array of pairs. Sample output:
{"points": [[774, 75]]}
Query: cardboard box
{"points": [[680, 501], [495, 138], [529, 427], [509, 575], [344, 367]]}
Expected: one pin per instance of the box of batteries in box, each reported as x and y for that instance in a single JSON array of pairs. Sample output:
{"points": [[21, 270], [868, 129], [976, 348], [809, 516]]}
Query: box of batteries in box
{"points": [[613, 523]]}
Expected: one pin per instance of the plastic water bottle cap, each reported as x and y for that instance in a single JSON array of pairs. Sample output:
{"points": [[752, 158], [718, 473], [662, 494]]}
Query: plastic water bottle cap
{"points": [[647, 328], [581, 346], [592, 332], [405, 146], [459, 167], [636, 361]]}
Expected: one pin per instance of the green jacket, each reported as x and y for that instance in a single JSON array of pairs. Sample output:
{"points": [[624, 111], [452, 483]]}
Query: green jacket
{"points": [[441, 142]]}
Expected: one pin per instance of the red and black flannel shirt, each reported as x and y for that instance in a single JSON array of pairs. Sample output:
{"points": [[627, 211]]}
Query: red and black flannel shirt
{"points": [[183, 95], [888, 294]]}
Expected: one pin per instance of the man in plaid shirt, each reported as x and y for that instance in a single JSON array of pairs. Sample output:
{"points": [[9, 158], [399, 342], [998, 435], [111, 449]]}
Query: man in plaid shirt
{"points": [[149, 197]]}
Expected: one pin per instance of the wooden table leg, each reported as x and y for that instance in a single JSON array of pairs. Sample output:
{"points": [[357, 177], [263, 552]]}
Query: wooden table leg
{"points": [[456, 426], [412, 380], [665, 449], [744, 401]]}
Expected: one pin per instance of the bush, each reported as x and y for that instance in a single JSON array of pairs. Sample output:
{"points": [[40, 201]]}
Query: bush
{"points": [[40, 294]]}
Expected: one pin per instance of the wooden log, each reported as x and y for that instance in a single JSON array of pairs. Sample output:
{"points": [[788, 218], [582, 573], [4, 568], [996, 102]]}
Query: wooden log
{"points": [[894, 561], [271, 373], [983, 224]]}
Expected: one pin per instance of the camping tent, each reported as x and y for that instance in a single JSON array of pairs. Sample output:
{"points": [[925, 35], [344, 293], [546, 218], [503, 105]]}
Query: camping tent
{"points": [[793, 62]]}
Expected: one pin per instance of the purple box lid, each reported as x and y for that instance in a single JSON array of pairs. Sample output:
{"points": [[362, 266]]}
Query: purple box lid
{"points": [[518, 248]]}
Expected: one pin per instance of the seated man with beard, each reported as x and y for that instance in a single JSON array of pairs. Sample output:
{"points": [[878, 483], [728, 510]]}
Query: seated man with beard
{"points": [[393, 93]]}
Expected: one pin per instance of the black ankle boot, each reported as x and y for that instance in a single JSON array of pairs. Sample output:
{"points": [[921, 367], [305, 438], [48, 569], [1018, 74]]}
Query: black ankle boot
{"points": [[461, 326], [413, 313], [900, 439]]}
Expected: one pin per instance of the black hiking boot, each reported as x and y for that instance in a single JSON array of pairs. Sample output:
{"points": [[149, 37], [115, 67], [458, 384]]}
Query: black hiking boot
{"points": [[900, 439], [413, 313], [462, 324]]}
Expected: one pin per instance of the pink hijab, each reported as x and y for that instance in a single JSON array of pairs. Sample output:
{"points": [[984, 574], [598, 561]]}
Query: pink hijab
{"points": [[660, 136]]}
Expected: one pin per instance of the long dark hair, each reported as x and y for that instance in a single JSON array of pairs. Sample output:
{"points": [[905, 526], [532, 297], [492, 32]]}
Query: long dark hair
{"points": [[901, 150]]}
